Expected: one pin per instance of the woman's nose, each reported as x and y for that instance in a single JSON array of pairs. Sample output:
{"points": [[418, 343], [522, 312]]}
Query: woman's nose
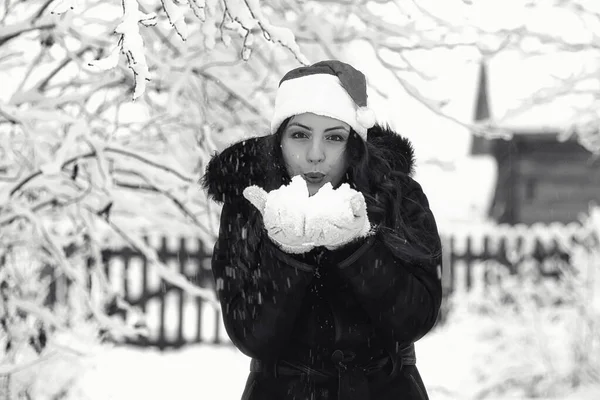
{"points": [[316, 152]]}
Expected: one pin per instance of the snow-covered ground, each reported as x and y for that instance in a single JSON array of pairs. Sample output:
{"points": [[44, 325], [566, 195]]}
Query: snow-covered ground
{"points": [[474, 352], [209, 373], [457, 361], [470, 355], [445, 358]]}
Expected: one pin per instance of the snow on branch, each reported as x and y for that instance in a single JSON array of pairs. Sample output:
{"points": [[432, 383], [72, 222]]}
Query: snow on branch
{"points": [[240, 16], [250, 15], [199, 8], [131, 44], [586, 130], [54, 166], [176, 17]]}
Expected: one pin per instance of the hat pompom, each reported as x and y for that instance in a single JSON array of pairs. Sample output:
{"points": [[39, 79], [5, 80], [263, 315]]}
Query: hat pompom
{"points": [[365, 117]]}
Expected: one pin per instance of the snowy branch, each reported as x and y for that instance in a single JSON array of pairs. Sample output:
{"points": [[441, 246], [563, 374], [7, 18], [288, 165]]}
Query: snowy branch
{"points": [[166, 273], [13, 31], [176, 17], [232, 92], [145, 159], [131, 44], [175, 200]]}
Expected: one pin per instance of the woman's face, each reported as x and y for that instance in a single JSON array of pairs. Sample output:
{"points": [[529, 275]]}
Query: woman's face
{"points": [[314, 147]]}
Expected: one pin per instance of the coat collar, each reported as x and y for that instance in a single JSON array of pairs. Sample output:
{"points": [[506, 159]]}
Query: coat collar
{"points": [[250, 162]]}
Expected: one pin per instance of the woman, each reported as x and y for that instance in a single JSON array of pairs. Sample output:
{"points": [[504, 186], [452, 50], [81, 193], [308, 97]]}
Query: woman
{"points": [[327, 264]]}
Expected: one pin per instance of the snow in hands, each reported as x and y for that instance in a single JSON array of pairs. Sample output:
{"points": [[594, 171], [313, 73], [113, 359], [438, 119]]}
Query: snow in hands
{"points": [[336, 217], [298, 222]]}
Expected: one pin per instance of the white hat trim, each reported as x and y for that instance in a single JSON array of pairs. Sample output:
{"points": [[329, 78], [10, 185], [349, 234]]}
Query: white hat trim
{"points": [[320, 94]]}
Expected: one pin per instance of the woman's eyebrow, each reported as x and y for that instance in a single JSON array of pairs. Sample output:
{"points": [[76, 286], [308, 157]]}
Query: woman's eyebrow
{"points": [[335, 128], [301, 126], [308, 128]]}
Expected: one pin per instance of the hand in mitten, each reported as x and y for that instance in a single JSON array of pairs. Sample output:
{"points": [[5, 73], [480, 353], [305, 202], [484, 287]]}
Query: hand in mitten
{"points": [[284, 214], [337, 217]]}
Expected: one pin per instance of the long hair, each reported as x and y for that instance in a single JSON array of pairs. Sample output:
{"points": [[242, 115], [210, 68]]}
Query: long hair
{"points": [[383, 188], [385, 191]]}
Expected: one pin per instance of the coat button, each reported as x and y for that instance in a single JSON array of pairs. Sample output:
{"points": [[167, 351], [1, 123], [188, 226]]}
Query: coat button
{"points": [[337, 356]]}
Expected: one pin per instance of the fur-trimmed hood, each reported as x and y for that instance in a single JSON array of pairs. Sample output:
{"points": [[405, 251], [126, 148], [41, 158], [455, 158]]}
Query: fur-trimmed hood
{"points": [[251, 162]]}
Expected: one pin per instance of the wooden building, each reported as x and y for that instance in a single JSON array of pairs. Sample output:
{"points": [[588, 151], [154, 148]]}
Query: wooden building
{"points": [[540, 179]]}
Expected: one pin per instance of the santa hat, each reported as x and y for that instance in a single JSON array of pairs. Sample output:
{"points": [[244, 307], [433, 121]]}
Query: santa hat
{"points": [[330, 88]]}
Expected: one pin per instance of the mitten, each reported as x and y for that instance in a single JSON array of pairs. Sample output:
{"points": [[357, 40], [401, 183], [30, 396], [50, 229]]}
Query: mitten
{"points": [[284, 214], [336, 217]]}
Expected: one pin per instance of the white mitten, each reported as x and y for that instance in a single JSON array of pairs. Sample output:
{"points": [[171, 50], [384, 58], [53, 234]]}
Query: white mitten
{"points": [[337, 217], [284, 214]]}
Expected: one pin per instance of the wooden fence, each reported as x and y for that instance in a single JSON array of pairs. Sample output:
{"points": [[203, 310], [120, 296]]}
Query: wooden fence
{"points": [[175, 318], [466, 259], [471, 259]]}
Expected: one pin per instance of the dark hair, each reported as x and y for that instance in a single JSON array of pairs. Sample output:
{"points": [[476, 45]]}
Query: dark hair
{"points": [[384, 190]]}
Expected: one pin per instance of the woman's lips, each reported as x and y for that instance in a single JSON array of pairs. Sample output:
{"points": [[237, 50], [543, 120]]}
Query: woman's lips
{"points": [[314, 177]]}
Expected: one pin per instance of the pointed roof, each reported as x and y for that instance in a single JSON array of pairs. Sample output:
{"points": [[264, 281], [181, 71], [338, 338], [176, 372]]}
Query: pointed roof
{"points": [[482, 108], [480, 145]]}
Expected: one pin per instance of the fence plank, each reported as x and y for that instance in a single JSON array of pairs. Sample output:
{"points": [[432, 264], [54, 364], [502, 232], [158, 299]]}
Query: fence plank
{"points": [[208, 323], [144, 281], [190, 320], [182, 264]]}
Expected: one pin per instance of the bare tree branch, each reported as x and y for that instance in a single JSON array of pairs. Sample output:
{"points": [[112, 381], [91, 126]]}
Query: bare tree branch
{"points": [[43, 8], [231, 91], [10, 32], [114, 150], [150, 186], [166, 273]]}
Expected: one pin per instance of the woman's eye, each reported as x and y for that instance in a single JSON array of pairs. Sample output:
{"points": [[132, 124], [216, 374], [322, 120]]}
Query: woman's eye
{"points": [[298, 135], [337, 138]]}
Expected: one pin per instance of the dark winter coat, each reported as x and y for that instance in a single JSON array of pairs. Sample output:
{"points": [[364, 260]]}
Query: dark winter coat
{"points": [[326, 324]]}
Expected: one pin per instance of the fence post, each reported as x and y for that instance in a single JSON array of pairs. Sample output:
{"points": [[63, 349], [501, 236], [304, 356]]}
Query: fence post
{"points": [[469, 257], [183, 258], [162, 253]]}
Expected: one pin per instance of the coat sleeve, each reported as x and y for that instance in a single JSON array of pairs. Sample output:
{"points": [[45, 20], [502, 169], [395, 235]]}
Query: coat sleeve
{"points": [[260, 295], [402, 297]]}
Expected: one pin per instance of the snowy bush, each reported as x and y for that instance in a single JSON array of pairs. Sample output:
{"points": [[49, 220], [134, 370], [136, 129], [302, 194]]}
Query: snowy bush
{"points": [[537, 335], [68, 200]]}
